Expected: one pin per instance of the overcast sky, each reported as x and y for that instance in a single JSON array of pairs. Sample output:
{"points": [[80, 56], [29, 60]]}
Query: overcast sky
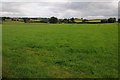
{"points": [[60, 9]]}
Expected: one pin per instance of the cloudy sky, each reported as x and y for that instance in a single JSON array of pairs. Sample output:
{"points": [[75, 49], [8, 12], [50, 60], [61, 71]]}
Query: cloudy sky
{"points": [[61, 9]]}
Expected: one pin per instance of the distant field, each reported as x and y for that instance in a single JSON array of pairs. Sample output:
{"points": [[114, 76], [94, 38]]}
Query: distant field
{"points": [[78, 20], [60, 50], [94, 21]]}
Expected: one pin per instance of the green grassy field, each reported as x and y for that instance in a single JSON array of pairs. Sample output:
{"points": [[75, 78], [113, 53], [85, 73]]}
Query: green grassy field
{"points": [[60, 50], [0, 51]]}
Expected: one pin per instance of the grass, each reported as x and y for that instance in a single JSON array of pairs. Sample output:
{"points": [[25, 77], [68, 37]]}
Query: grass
{"points": [[0, 51], [60, 50], [78, 20], [94, 21]]}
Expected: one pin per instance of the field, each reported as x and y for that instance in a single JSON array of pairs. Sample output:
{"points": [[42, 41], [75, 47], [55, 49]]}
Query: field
{"points": [[60, 50], [94, 20], [0, 51]]}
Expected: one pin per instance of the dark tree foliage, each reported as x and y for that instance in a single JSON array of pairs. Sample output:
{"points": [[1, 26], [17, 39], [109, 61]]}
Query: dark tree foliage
{"points": [[4, 18], [104, 21], [26, 20], [111, 20], [53, 20], [119, 20], [60, 21], [12, 19], [0, 20], [66, 20], [72, 20], [7, 18]]}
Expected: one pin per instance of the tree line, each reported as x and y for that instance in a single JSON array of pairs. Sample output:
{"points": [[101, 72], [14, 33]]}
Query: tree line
{"points": [[56, 20], [51, 20]]}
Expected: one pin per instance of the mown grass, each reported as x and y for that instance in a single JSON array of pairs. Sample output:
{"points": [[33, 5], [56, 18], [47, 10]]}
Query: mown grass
{"points": [[60, 50], [0, 50]]}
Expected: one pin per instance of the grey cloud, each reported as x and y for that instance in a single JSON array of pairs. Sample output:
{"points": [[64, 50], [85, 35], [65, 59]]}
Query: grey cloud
{"points": [[12, 9], [59, 0], [60, 9], [94, 8]]}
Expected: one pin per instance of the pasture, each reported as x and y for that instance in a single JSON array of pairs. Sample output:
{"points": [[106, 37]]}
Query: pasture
{"points": [[60, 50]]}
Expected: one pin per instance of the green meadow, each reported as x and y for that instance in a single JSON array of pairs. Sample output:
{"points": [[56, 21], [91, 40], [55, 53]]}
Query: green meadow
{"points": [[35, 50], [0, 51]]}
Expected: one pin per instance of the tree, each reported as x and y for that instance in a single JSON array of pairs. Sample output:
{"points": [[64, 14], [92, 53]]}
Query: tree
{"points": [[3, 18], [104, 21], [112, 20], [0, 20], [53, 20], [66, 20], [60, 21], [26, 20], [119, 20], [72, 20]]}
